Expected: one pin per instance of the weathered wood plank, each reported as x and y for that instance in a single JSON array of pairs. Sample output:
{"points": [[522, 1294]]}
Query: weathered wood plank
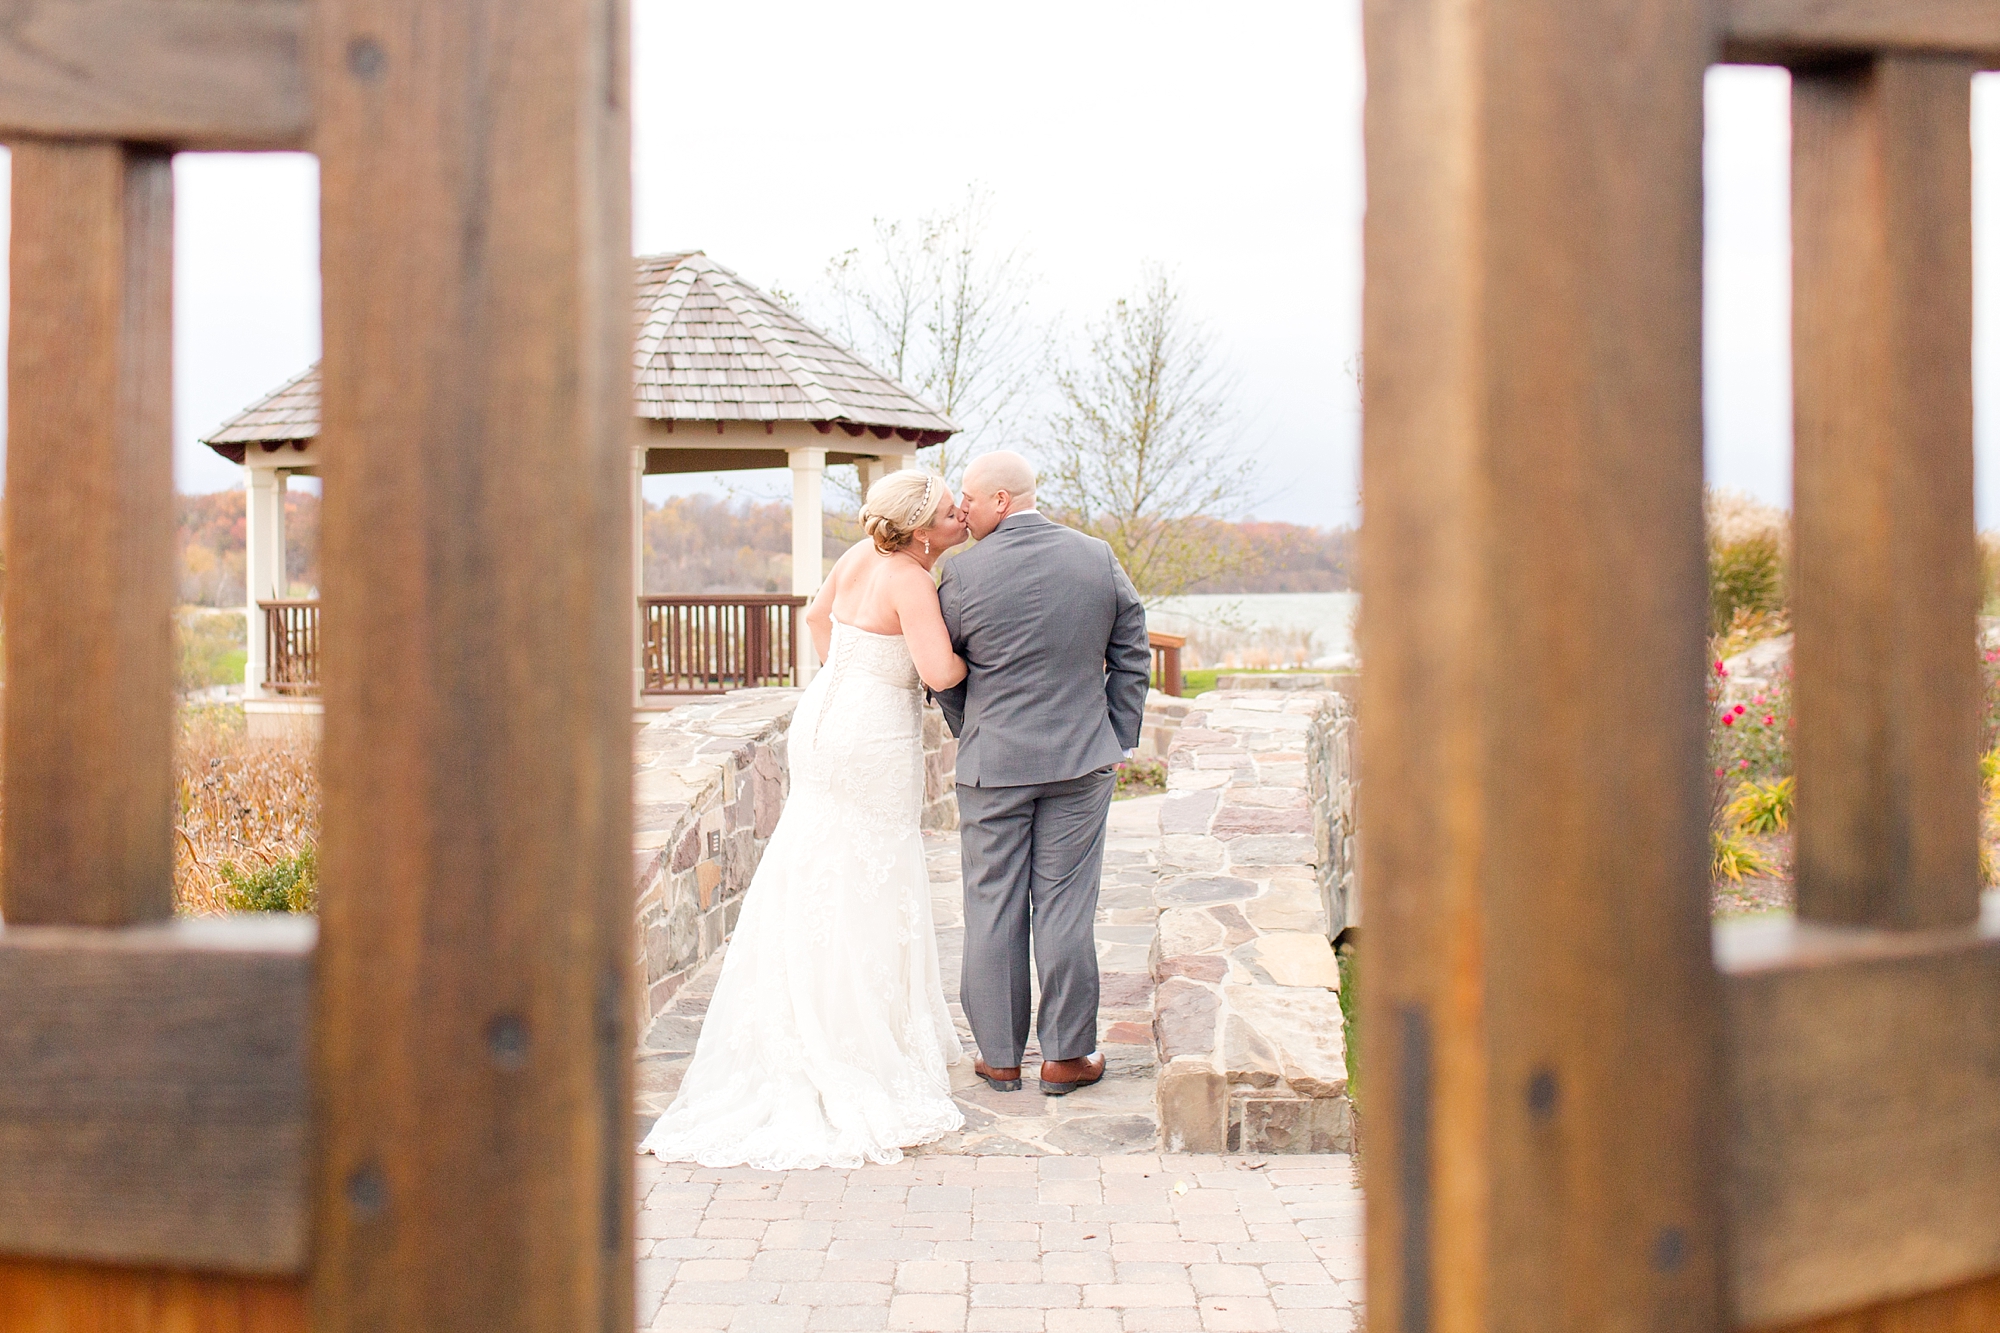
{"points": [[1805, 31], [475, 1022], [181, 73], [1864, 1136], [39, 1296], [153, 1109], [1886, 569], [1537, 994], [1972, 1307], [90, 577]]}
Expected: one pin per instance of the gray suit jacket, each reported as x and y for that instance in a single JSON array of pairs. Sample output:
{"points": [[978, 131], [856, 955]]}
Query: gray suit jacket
{"points": [[1054, 641]]}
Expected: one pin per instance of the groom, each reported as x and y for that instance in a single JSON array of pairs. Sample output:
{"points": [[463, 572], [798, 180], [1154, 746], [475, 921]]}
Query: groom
{"points": [[1054, 641]]}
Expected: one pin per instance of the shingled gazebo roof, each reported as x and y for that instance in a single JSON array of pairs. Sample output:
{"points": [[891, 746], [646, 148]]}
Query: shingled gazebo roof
{"points": [[711, 348]]}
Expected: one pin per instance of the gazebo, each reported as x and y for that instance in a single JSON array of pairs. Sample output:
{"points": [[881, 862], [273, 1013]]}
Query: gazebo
{"points": [[725, 379]]}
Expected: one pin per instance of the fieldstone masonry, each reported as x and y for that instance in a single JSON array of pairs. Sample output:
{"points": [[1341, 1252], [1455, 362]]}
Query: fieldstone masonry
{"points": [[940, 773], [1247, 1010], [711, 778], [1332, 784], [1164, 715]]}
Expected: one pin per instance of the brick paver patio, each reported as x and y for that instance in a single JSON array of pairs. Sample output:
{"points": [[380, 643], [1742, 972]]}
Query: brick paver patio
{"points": [[1011, 1244]]}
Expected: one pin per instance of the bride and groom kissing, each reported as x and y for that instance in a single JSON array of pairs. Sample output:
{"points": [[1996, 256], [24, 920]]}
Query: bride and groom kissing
{"points": [[827, 1041]]}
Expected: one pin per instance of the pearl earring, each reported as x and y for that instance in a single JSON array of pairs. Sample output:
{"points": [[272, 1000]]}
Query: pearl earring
{"points": [[927, 546]]}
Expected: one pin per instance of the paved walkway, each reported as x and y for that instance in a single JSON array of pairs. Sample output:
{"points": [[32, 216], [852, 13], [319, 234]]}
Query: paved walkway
{"points": [[1043, 1215], [1011, 1244]]}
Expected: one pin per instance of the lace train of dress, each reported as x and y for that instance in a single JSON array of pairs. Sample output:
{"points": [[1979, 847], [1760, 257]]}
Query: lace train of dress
{"points": [[827, 1039]]}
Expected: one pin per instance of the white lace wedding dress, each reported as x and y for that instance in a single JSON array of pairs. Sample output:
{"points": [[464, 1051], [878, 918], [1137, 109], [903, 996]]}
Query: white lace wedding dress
{"points": [[827, 1039]]}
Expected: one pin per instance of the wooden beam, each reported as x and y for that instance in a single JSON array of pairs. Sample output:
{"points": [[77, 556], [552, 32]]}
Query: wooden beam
{"points": [[1864, 1134], [38, 1296], [1803, 32], [90, 586], [178, 73], [1970, 1307], [475, 1025], [1537, 992], [154, 1106], [1886, 569], [659, 461]]}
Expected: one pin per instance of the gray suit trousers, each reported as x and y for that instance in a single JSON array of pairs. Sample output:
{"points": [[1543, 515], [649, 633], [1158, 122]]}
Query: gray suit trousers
{"points": [[1032, 857]]}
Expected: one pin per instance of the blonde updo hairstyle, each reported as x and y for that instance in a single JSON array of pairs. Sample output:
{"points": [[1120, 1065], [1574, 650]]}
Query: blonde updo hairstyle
{"points": [[899, 506]]}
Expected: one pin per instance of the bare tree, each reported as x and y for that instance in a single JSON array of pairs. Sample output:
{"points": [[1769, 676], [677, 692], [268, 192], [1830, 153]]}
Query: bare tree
{"points": [[1142, 450], [944, 311]]}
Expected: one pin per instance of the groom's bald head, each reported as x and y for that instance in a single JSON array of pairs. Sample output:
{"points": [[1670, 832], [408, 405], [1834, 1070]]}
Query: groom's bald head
{"points": [[996, 485]]}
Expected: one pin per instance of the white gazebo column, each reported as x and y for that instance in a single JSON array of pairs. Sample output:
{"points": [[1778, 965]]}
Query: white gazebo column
{"points": [[638, 575], [867, 471], [263, 561], [808, 472], [897, 462]]}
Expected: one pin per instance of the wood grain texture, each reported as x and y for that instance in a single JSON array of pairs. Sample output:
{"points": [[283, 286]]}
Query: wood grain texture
{"points": [[90, 563], [476, 1020], [179, 73], [1886, 569], [39, 1296], [1972, 1307], [1805, 31], [154, 1106], [1537, 994], [1864, 1138]]}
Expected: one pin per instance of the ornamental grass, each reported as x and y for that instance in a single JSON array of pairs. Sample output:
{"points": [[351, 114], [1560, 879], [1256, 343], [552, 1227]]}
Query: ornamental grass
{"points": [[246, 817]]}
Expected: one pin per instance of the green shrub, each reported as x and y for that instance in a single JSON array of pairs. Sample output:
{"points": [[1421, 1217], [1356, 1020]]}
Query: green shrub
{"points": [[1747, 574], [288, 884], [1141, 777], [1749, 740], [1762, 807], [210, 649], [1731, 858]]}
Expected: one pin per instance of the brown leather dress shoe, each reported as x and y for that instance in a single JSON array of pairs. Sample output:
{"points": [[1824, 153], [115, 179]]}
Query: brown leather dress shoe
{"points": [[1061, 1077], [1001, 1080]]}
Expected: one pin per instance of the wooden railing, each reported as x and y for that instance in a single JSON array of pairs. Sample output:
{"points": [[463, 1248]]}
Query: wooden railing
{"points": [[705, 645], [1167, 660], [291, 646]]}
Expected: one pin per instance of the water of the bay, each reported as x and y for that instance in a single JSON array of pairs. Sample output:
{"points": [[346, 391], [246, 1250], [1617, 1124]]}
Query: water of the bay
{"points": [[1261, 629]]}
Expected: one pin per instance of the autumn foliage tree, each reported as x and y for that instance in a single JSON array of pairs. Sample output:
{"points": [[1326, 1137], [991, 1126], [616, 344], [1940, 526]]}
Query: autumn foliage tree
{"points": [[1142, 449]]}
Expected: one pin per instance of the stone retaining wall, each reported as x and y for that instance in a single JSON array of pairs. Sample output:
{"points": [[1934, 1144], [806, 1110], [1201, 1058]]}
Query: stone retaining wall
{"points": [[1247, 1010], [940, 772], [1164, 715], [711, 779], [1332, 783]]}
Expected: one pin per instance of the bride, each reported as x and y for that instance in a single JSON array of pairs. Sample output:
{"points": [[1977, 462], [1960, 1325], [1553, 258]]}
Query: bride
{"points": [[827, 1039]]}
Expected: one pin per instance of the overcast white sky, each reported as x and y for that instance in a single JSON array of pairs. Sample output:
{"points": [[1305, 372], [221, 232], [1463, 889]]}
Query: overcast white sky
{"points": [[1223, 143]]}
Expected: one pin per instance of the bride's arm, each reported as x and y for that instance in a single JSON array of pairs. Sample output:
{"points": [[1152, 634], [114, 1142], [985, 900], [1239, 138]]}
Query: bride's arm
{"points": [[923, 630], [819, 616]]}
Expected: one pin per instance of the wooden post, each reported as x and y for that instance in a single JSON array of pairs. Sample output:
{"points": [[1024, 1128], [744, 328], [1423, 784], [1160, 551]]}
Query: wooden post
{"points": [[473, 1061], [90, 581], [1538, 998], [638, 573], [1887, 581]]}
